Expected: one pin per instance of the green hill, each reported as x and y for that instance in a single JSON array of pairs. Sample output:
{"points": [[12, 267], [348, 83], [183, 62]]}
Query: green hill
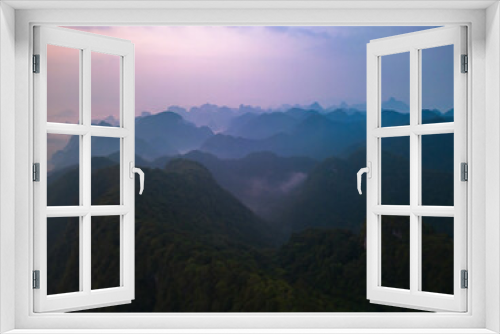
{"points": [[198, 249]]}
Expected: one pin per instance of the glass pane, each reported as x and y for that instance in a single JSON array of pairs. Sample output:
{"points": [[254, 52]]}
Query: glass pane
{"points": [[105, 89], [63, 170], [396, 252], [437, 254], [63, 84], [437, 169], [63, 255], [437, 84], [395, 166], [105, 252], [395, 89], [105, 171]]}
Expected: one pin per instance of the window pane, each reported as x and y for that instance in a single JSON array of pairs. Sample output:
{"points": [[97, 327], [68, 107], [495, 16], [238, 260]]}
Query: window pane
{"points": [[396, 252], [395, 171], [63, 255], [437, 84], [63, 170], [105, 252], [105, 89], [437, 169], [105, 171], [63, 84], [395, 89], [437, 254]]}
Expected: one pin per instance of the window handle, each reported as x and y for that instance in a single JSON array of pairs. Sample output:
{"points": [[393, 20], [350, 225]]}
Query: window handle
{"points": [[141, 176], [368, 171]]}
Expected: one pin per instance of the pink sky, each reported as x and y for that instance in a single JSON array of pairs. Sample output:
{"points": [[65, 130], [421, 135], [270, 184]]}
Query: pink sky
{"points": [[260, 66], [190, 66]]}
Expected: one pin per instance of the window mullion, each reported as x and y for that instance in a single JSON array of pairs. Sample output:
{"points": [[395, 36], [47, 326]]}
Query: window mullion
{"points": [[414, 170], [81, 219], [86, 165]]}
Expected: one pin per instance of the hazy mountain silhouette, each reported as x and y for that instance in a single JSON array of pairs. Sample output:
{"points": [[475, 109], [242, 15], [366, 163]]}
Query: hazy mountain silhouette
{"points": [[168, 131], [262, 181], [346, 115], [316, 137], [263, 125], [215, 117], [299, 113], [394, 118], [393, 104], [294, 132], [70, 154], [239, 122]]}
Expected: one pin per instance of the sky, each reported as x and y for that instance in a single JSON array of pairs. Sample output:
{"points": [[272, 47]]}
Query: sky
{"points": [[252, 65]]}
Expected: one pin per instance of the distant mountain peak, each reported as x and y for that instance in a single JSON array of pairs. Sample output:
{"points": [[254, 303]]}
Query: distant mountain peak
{"points": [[393, 104], [168, 114], [316, 106]]}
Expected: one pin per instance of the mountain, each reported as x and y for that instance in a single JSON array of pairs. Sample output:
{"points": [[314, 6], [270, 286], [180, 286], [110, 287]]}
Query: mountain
{"points": [[212, 116], [229, 147], [210, 210], [299, 113], [315, 137], [182, 185], [262, 181], [108, 121], [318, 137], [240, 122], [435, 116], [201, 250], [148, 151], [315, 106], [168, 132], [329, 198], [263, 126], [217, 118], [396, 105], [346, 115], [161, 134], [70, 154], [395, 118]]}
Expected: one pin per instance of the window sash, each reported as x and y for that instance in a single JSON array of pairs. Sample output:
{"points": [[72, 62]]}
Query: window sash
{"points": [[413, 43], [86, 297]]}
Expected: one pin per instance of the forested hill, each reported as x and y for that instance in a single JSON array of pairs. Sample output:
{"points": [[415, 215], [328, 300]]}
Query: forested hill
{"points": [[198, 249]]}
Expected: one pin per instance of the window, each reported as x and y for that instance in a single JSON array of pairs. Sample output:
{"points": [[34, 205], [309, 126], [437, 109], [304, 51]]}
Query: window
{"points": [[70, 222], [106, 265], [481, 254], [415, 140]]}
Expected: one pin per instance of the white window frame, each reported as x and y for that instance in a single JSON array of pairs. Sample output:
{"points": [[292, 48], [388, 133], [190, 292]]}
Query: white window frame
{"points": [[483, 314], [413, 44], [86, 44]]}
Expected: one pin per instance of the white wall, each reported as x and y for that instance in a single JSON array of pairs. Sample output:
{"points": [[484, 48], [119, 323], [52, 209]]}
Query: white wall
{"points": [[492, 165], [7, 161]]}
